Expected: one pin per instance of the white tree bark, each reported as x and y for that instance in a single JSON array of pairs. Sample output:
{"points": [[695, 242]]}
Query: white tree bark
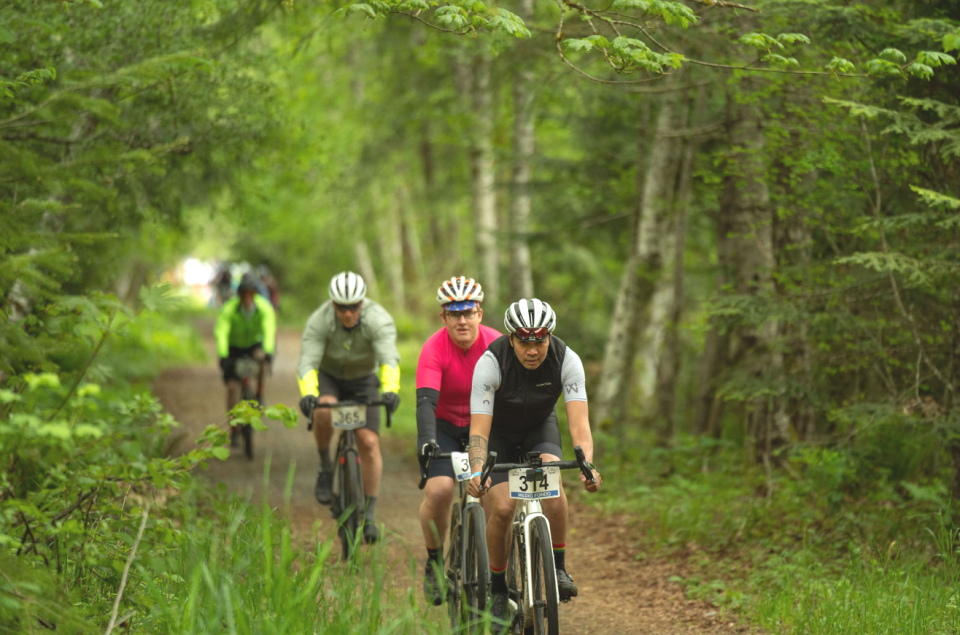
{"points": [[669, 367], [752, 263], [484, 183], [650, 349], [390, 244], [365, 267], [521, 276], [642, 268]]}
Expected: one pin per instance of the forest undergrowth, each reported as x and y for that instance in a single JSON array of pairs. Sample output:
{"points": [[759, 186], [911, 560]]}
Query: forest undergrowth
{"points": [[103, 528], [842, 540]]}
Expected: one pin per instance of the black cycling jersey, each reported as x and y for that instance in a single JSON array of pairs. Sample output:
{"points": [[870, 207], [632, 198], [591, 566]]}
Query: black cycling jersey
{"points": [[526, 397]]}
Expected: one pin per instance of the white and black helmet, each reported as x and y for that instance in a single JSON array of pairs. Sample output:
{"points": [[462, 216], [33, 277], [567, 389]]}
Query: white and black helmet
{"points": [[530, 319], [459, 289], [347, 288]]}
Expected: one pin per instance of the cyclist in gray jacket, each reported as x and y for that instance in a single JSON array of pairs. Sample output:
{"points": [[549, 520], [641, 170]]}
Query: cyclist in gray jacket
{"points": [[347, 343]]}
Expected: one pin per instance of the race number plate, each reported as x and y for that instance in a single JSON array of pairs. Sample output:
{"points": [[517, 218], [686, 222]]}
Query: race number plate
{"points": [[349, 417], [461, 465], [547, 486]]}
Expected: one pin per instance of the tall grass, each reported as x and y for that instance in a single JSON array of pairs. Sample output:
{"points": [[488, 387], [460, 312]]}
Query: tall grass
{"points": [[240, 571]]}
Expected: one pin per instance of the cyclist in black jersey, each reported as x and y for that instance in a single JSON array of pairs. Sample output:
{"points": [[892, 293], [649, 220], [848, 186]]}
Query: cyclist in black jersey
{"points": [[516, 384]]}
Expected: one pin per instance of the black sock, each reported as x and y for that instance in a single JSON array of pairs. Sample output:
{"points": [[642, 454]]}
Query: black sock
{"points": [[371, 501], [433, 555], [559, 556], [325, 465], [499, 580]]}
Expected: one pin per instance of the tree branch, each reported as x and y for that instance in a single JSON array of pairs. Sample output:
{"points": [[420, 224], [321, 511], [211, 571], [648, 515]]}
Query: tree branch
{"points": [[126, 571], [893, 280]]}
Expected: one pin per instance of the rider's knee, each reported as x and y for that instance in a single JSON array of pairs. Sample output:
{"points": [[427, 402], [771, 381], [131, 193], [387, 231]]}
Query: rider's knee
{"points": [[367, 440], [439, 492], [502, 509]]}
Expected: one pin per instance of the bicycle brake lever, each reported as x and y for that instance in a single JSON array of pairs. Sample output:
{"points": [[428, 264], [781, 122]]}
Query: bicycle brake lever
{"points": [[487, 468], [582, 463]]}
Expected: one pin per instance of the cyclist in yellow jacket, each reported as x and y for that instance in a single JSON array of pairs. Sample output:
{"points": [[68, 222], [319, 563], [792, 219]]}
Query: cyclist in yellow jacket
{"points": [[246, 327]]}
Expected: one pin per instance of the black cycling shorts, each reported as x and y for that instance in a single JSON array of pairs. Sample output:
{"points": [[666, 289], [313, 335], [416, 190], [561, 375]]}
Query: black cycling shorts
{"points": [[450, 438], [511, 447], [230, 367], [364, 390]]}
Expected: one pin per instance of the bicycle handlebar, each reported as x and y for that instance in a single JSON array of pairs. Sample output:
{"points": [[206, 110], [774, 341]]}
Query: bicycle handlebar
{"points": [[341, 404], [580, 463], [491, 465]]}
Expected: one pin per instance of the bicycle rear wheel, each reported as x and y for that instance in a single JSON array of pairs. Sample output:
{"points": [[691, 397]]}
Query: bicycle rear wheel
{"points": [[476, 567], [544, 578], [452, 564], [350, 498]]}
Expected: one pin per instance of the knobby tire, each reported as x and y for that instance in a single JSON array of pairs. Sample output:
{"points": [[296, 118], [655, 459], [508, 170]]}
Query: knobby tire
{"points": [[350, 493], [544, 576], [454, 570], [476, 568]]}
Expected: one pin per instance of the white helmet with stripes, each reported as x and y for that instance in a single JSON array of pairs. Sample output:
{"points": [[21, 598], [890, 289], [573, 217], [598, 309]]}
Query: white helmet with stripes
{"points": [[347, 288], [532, 318], [457, 290]]}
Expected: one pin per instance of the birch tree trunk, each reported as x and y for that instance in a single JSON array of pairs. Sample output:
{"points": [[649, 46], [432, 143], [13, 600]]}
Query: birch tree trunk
{"points": [[521, 276], [389, 241], [752, 262], [642, 268], [413, 268], [484, 185], [365, 266], [669, 368], [649, 348]]}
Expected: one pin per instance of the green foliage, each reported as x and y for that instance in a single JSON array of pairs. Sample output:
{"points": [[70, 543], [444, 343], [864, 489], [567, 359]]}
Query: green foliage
{"points": [[30, 78], [456, 16]]}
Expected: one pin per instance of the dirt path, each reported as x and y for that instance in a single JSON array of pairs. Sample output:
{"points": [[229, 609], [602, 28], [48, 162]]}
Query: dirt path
{"points": [[619, 594]]}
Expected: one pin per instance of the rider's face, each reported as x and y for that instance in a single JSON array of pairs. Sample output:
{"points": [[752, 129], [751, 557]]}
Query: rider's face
{"points": [[348, 314], [530, 354], [463, 327], [246, 300]]}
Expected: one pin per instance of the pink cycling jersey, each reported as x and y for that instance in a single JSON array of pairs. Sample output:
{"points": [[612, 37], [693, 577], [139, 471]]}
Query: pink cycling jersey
{"points": [[446, 367]]}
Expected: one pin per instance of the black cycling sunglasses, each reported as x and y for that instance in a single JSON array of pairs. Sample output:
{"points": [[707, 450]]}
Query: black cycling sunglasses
{"points": [[347, 308]]}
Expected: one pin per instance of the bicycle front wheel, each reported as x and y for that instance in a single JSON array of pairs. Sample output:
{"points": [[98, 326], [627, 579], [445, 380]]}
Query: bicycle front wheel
{"points": [[543, 574], [476, 568], [350, 497], [452, 562]]}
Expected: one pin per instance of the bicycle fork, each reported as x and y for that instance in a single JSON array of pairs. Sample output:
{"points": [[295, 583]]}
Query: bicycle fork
{"points": [[531, 510]]}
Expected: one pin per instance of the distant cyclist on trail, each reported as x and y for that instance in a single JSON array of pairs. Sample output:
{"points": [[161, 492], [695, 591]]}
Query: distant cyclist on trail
{"points": [[444, 377], [246, 327], [347, 341], [516, 385]]}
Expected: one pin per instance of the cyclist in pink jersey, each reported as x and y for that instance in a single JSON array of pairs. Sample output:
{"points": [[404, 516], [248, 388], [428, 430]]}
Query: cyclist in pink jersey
{"points": [[444, 383]]}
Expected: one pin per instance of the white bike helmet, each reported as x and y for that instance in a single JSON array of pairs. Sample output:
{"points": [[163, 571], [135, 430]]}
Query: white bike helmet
{"points": [[459, 294], [347, 288], [530, 319]]}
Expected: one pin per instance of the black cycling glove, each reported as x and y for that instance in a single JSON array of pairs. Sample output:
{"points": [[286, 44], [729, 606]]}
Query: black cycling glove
{"points": [[425, 456], [307, 405], [224, 362], [392, 400]]}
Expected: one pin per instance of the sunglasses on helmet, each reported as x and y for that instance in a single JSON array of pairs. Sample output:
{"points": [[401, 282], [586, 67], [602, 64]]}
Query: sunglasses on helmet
{"points": [[532, 334]]}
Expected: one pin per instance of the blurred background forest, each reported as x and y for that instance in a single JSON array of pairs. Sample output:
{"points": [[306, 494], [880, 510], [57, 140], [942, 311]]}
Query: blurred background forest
{"points": [[745, 215]]}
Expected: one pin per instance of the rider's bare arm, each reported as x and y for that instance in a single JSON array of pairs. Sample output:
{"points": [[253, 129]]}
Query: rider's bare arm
{"points": [[578, 416], [479, 436]]}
